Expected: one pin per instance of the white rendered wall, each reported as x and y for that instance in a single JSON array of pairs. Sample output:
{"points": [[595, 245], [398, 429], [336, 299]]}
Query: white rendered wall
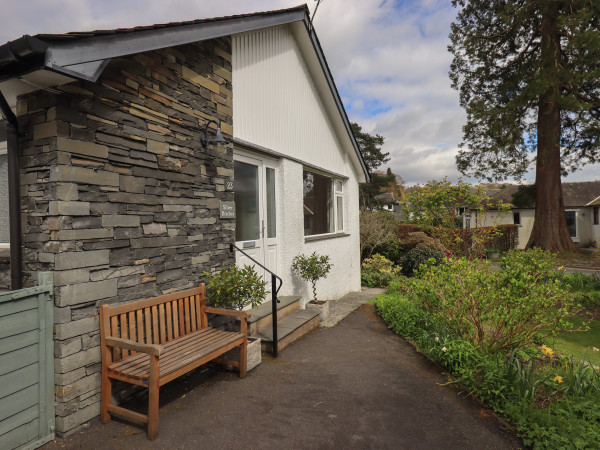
{"points": [[506, 217], [344, 251]]}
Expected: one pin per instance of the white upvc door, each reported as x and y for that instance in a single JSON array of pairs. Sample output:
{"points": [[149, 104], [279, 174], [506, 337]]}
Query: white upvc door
{"points": [[255, 211]]}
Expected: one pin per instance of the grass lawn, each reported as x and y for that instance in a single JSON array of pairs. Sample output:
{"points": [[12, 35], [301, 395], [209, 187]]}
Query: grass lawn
{"points": [[578, 343]]}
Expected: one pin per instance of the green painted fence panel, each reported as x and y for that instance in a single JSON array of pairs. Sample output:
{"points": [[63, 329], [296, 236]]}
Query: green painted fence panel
{"points": [[27, 366]]}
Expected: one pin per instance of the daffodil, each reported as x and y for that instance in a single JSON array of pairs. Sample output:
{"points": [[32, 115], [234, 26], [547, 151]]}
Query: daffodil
{"points": [[558, 379], [560, 268], [444, 349], [547, 350]]}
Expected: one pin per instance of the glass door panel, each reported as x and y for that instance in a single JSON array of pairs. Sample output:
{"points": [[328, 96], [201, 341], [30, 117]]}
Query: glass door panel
{"points": [[247, 216]]}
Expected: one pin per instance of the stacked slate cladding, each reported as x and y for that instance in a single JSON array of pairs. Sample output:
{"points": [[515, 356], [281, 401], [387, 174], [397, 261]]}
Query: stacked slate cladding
{"points": [[120, 200]]}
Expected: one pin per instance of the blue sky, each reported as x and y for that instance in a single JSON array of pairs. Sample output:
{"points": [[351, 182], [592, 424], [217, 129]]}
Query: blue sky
{"points": [[388, 58]]}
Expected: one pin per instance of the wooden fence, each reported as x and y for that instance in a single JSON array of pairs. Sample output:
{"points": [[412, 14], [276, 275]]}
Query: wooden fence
{"points": [[27, 366]]}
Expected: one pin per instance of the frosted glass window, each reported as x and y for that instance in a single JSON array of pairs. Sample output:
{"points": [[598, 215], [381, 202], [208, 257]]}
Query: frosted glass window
{"points": [[271, 207], [340, 213], [247, 225]]}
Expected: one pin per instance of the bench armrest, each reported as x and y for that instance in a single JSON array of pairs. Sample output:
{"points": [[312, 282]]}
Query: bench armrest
{"points": [[151, 349], [226, 312]]}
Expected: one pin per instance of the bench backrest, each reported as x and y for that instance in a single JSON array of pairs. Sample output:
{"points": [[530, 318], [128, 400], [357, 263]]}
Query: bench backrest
{"points": [[155, 320]]}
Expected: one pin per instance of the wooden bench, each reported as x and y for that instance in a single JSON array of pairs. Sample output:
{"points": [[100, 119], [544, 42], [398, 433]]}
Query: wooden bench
{"points": [[151, 342]]}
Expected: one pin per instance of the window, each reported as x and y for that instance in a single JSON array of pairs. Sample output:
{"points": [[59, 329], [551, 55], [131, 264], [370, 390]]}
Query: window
{"points": [[571, 217], [595, 215], [323, 204], [339, 205], [517, 218]]}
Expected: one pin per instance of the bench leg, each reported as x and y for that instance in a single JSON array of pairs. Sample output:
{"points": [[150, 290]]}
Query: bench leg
{"points": [[243, 358], [153, 389], [105, 394]]}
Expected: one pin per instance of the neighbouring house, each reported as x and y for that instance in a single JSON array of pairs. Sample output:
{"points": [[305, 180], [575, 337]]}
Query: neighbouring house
{"points": [[390, 203], [120, 200], [582, 210]]}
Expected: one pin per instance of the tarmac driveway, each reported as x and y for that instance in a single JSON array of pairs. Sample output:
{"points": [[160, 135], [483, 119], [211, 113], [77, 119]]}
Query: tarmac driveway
{"points": [[356, 385]]}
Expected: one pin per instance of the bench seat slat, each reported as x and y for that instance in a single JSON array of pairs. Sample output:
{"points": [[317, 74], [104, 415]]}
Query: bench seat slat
{"points": [[193, 346], [142, 358], [176, 355]]}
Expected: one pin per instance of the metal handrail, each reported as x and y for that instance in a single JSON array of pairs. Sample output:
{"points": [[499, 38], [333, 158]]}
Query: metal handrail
{"points": [[274, 292]]}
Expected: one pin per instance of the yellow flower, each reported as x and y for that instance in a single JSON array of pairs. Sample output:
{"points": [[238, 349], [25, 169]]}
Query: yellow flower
{"points": [[547, 350], [560, 268], [558, 379]]}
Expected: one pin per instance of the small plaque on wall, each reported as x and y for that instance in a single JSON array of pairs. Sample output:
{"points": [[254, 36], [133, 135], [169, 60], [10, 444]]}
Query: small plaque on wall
{"points": [[229, 185], [226, 210]]}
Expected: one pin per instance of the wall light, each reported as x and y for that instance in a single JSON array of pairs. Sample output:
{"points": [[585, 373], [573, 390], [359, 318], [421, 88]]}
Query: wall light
{"points": [[218, 136]]}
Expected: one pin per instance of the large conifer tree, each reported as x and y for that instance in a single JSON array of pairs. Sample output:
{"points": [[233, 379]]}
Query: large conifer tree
{"points": [[528, 73]]}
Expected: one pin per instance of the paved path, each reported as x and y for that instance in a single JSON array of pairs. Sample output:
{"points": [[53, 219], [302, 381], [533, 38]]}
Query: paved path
{"points": [[356, 385]]}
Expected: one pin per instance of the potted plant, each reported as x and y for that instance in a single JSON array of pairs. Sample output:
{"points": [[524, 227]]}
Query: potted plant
{"points": [[312, 268], [237, 288]]}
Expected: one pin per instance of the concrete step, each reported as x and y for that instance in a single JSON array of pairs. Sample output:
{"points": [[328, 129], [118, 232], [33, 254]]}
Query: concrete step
{"points": [[261, 318], [289, 329]]}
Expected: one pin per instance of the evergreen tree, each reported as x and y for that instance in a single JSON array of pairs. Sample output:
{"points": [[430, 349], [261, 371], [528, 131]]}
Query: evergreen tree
{"points": [[370, 147], [528, 73]]}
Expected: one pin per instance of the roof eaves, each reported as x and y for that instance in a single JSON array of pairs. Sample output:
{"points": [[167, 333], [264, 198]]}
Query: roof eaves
{"points": [[86, 54], [325, 67], [594, 202]]}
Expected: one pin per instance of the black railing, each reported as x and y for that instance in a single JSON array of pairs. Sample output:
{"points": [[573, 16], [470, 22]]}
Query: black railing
{"points": [[274, 292]]}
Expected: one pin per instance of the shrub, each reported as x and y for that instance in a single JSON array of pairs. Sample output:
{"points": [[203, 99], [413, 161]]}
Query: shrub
{"points": [[233, 287], [499, 310], [377, 228], [585, 287], [419, 256], [394, 250], [378, 271], [570, 418], [311, 268]]}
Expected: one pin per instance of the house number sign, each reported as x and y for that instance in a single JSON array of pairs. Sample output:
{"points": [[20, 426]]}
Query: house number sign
{"points": [[226, 210], [229, 185]]}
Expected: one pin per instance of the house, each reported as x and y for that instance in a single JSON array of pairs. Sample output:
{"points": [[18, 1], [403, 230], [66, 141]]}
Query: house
{"points": [[582, 209], [119, 197]]}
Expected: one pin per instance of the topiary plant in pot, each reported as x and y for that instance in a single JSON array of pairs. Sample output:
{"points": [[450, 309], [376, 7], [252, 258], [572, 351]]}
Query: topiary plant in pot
{"points": [[236, 288], [312, 268]]}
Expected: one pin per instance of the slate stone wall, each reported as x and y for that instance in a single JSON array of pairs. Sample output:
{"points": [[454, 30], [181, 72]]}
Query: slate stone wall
{"points": [[119, 198]]}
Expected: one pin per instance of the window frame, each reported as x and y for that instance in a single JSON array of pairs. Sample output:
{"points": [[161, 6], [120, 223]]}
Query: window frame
{"points": [[517, 218], [576, 211], [595, 215], [335, 195]]}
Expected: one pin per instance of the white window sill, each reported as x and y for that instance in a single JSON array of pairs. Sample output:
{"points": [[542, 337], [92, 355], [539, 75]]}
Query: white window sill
{"points": [[320, 237]]}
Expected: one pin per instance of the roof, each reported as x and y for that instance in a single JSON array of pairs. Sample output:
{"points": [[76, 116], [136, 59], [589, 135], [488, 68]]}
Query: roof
{"points": [[386, 197], [85, 54], [575, 194]]}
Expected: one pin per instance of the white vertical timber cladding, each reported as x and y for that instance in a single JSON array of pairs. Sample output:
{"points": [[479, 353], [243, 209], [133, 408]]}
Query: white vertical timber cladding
{"points": [[276, 105]]}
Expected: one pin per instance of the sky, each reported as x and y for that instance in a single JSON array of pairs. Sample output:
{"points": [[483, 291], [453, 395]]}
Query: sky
{"points": [[389, 60]]}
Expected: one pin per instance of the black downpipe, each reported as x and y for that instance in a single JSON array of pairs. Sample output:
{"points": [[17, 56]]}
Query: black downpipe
{"points": [[14, 194]]}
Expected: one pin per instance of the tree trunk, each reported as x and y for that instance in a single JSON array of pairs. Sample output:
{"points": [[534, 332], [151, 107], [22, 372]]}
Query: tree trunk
{"points": [[550, 227]]}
